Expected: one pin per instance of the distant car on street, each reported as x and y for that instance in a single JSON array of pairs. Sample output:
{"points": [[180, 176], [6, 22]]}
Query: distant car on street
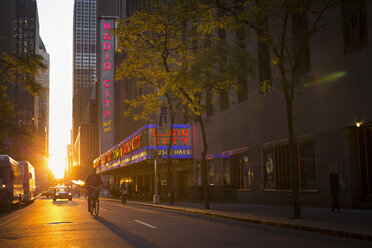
{"points": [[48, 193], [62, 192]]}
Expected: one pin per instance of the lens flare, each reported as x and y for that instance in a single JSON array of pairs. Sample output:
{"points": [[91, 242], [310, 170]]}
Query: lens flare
{"points": [[327, 79]]}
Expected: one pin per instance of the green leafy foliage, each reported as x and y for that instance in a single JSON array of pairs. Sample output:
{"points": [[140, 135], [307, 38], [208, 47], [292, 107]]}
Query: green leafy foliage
{"points": [[21, 69]]}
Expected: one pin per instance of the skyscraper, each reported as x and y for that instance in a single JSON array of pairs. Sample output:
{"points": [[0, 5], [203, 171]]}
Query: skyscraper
{"points": [[84, 77], [43, 79], [19, 36], [25, 41]]}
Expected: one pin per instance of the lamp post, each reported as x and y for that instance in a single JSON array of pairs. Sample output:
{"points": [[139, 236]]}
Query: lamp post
{"points": [[156, 198]]}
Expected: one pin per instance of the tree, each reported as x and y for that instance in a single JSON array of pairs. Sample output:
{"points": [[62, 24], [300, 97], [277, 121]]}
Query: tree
{"points": [[289, 49], [150, 40], [164, 49], [20, 69]]}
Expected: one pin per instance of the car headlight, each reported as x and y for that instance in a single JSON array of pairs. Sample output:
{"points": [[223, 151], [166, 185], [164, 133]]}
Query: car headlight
{"points": [[69, 193]]}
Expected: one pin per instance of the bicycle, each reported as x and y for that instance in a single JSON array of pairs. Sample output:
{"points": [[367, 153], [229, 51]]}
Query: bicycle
{"points": [[124, 197], [94, 201]]}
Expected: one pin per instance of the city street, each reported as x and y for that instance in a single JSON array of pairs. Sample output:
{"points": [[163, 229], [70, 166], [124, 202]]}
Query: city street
{"points": [[68, 224]]}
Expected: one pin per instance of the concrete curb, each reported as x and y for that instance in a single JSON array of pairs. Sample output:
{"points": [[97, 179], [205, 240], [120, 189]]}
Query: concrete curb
{"points": [[274, 223]]}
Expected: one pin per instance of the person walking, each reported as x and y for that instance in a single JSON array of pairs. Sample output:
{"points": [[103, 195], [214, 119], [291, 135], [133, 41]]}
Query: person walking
{"points": [[334, 182], [124, 192]]}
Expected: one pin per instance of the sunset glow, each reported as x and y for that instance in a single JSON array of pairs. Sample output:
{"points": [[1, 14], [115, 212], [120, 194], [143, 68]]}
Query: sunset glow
{"points": [[57, 15], [57, 165]]}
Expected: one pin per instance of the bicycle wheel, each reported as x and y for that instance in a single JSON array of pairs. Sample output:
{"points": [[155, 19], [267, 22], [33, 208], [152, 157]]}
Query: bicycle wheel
{"points": [[96, 209]]}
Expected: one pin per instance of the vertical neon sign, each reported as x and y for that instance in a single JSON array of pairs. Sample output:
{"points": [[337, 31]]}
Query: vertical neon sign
{"points": [[106, 68]]}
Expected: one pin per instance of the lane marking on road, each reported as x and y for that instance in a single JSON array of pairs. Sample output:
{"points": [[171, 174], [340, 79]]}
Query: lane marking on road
{"points": [[27, 210], [143, 223], [134, 208], [60, 222]]}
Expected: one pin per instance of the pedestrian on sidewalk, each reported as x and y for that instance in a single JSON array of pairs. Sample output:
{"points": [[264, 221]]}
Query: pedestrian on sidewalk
{"points": [[334, 182], [124, 192]]}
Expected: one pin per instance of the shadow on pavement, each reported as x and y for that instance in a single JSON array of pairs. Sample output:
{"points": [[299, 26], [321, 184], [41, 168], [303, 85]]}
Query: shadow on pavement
{"points": [[130, 238], [16, 207]]}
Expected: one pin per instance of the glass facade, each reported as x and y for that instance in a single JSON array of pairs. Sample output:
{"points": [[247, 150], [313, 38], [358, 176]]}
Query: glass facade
{"points": [[85, 42]]}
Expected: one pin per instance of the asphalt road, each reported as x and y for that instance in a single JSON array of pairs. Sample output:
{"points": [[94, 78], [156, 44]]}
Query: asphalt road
{"points": [[68, 224]]}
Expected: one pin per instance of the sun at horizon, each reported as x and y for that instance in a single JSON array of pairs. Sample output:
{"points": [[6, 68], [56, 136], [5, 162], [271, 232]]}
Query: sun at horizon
{"points": [[57, 166]]}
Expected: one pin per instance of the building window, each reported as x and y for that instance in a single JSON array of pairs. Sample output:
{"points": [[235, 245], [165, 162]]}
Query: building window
{"points": [[307, 166], [264, 61], [246, 172], [268, 169], [301, 48], [237, 171], [354, 22], [198, 173], [277, 170], [211, 172], [226, 171]]}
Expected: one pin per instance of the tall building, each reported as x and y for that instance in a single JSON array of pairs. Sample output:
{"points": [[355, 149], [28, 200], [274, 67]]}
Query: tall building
{"points": [[43, 79], [19, 31], [84, 76], [126, 88], [25, 41], [7, 15]]}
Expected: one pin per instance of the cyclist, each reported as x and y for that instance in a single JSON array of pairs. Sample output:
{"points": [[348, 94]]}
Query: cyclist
{"points": [[92, 183]]}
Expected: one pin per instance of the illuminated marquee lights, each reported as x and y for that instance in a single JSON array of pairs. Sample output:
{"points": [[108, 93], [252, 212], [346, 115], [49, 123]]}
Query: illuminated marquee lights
{"points": [[162, 138], [141, 145]]}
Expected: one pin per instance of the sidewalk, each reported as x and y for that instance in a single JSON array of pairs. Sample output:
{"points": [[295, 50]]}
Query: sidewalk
{"points": [[350, 223]]}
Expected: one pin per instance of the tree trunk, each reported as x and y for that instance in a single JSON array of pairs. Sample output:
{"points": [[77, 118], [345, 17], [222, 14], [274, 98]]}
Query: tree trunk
{"points": [[293, 159], [169, 161], [204, 164]]}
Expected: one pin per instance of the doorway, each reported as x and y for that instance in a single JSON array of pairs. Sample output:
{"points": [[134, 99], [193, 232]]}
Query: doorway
{"points": [[183, 183]]}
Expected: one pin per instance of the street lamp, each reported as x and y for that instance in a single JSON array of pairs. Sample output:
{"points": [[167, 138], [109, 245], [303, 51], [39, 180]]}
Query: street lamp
{"points": [[156, 198]]}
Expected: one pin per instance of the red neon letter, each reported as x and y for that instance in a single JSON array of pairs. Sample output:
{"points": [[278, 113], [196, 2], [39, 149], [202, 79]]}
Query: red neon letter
{"points": [[106, 46], [107, 93], [122, 150], [106, 85], [185, 132], [107, 113], [185, 140], [106, 26], [107, 102], [107, 37], [107, 66]]}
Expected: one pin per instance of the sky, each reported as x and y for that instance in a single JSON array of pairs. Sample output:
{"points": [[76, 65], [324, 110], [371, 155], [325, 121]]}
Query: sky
{"points": [[56, 30]]}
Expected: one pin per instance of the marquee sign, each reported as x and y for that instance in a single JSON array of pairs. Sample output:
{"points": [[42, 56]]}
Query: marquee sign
{"points": [[141, 146]]}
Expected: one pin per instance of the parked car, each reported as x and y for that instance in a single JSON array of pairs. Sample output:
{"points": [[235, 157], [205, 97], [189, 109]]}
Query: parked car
{"points": [[62, 192]]}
